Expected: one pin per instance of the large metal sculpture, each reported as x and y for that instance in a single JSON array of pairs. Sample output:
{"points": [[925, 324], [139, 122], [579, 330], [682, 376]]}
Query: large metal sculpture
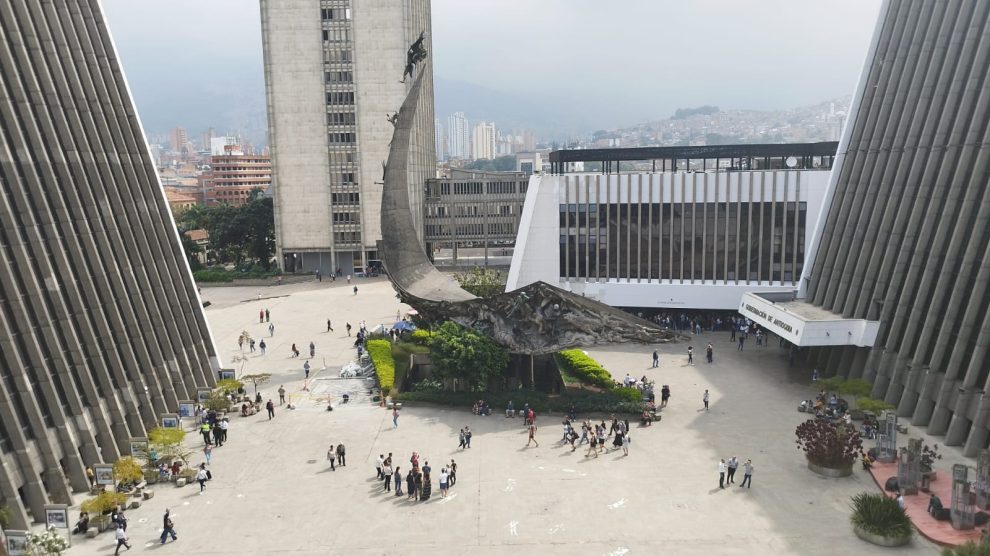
{"points": [[536, 319]]}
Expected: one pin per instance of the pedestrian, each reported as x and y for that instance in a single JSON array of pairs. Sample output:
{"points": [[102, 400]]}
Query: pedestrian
{"points": [[742, 339], [201, 476], [240, 343], [656, 359], [461, 441], [467, 436], [312, 349], [331, 455], [261, 316], [732, 329], [625, 444], [204, 429], [281, 394], [271, 409], [815, 375], [747, 474], [348, 278], [532, 436], [379, 464], [664, 395], [387, 475], [217, 435], [121, 540], [395, 417], [690, 355], [348, 326], [224, 425], [705, 399], [208, 453], [329, 328], [306, 368], [168, 528], [341, 455], [251, 344], [397, 479], [271, 330], [319, 275], [721, 473], [268, 315], [262, 345], [91, 477], [293, 351], [709, 353], [453, 472], [410, 485], [355, 289], [444, 478], [732, 465]]}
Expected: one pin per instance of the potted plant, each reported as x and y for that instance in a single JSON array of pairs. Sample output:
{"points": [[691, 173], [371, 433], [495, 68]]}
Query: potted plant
{"points": [[929, 455], [880, 520], [100, 506], [830, 448]]}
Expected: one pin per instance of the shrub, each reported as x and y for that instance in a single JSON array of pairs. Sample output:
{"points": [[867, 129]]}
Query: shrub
{"points": [[970, 548], [831, 445], [4, 517], [832, 383], [380, 352], [872, 405], [857, 388], [576, 363], [103, 503], [877, 514], [127, 470], [583, 401], [212, 276], [166, 444], [633, 395], [928, 457], [466, 354], [49, 543], [229, 385], [421, 336], [217, 401]]}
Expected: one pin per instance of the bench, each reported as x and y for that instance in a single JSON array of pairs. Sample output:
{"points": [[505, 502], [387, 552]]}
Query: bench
{"points": [[135, 504], [180, 482], [148, 494], [92, 532]]}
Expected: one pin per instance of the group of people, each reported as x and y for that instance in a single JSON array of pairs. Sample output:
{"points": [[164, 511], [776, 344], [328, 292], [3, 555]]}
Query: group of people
{"points": [[418, 480], [727, 472]]}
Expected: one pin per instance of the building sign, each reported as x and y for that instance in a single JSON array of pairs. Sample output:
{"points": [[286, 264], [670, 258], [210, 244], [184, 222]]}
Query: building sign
{"points": [[768, 321]]}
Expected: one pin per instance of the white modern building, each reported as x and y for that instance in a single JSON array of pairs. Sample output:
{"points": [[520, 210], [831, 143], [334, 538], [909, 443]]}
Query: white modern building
{"points": [[483, 147], [706, 226], [458, 137], [333, 75]]}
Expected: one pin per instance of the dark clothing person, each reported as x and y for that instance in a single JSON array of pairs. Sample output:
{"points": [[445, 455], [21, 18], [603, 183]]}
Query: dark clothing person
{"points": [[168, 528], [341, 461], [271, 409]]}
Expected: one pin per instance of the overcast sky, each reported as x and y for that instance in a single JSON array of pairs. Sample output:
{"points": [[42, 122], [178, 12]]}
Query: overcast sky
{"points": [[624, 60]]}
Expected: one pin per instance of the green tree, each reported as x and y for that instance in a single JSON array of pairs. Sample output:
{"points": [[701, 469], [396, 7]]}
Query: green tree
{"points": [[498, 164], [482, 282], [127, 470], [466, 354], [191, 249], [257, 379]]}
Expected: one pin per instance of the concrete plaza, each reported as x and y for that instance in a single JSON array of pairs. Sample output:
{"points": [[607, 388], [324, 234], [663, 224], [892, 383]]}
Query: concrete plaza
{"points": [[273, 492]]}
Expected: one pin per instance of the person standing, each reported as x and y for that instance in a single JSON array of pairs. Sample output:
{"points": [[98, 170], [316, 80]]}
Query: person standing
{"points": [[395, 417], [262, 345], [240, 343], [306, 368], [121, 537], [271, 409], [251, 345], [467, 436], [379, 464], [204, 429], [747, 474], [664, 395], [91, 477], [411, 485], [721, 473], [355, 289], [625, 444], [331, 456], [732, 465], [532, 436], [329, 328], [208, 452], [271, 330], [268, 316], [461, 439], [281, 394], [348, 326], [690, 355], [387, 475], [656, 359], [341, 455], [732, 330], [224, 424], [168, 528], [312, 349], [397, 479], [444, 477], [261, 316], [453, 472], [742, 340], [705, 399], [710, 353]]}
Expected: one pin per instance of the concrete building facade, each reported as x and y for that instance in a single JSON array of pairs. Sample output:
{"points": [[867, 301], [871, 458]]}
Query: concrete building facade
{"points": [[234, 177], [906, 234], [103, 330], [332, 78]]}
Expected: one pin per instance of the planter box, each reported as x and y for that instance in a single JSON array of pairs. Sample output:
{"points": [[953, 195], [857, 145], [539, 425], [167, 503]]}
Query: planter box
{"points": [[881, 540], [829, 472]]}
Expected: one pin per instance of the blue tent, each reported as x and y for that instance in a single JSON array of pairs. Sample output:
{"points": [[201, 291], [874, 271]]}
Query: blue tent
{"points": [[403, 326]]}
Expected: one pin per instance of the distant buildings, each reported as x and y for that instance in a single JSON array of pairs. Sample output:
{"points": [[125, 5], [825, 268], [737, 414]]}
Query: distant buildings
{"points": [[440, 140], [458, 141], [179, 141], [234, 176], [332, 75], [483, 146]]}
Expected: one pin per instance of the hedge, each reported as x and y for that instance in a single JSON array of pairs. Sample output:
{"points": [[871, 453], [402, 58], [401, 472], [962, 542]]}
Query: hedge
{"points": [[583, 402], [421, 337], [576, 363], [212, 276], [380, 352]]}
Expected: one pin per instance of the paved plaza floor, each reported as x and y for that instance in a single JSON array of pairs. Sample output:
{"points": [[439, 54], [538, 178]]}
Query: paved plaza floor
{"points": [[273, 492]]}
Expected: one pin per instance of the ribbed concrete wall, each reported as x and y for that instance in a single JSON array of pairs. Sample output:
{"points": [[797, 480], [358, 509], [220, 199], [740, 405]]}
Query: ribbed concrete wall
{"points": [[101, 327], [907, 234]]}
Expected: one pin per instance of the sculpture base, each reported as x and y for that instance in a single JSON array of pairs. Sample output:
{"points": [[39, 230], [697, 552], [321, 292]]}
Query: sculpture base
{"points": [[830, 472]]}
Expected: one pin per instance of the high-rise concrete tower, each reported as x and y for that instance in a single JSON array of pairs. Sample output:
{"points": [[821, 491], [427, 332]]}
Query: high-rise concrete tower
{"points": [[458, 136], [333, 76]]}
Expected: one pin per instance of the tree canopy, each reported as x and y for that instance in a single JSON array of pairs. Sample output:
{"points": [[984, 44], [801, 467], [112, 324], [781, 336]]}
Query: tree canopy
{"points": [[463, 353], [237, 234]]}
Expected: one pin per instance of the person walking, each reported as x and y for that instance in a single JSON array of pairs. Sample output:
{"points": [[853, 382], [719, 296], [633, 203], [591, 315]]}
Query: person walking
{"points": [[312, 349], [341, 455], [395, 417], [690, 355], [251, 345], [204, 429], [331, 456], [262, 345], [710, 353], [705, 399], [747, 474], [293, 351], [261, 316], [721, 473], [453, 472], [224, 424], [121, 537], [271, 330], [379, 464], [532, 436], [281, 394], [355, 289], [732, 330], [387, 475], [268, 316], [348, 326], [329, 328], [168, 528], [625, 444], [742, 340], [656, 359], [306, 368], [467, 437], [732, 465], [208, 452], [271, 409], [664, 395], [201, 476], [462, 441], [397, 479]]}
